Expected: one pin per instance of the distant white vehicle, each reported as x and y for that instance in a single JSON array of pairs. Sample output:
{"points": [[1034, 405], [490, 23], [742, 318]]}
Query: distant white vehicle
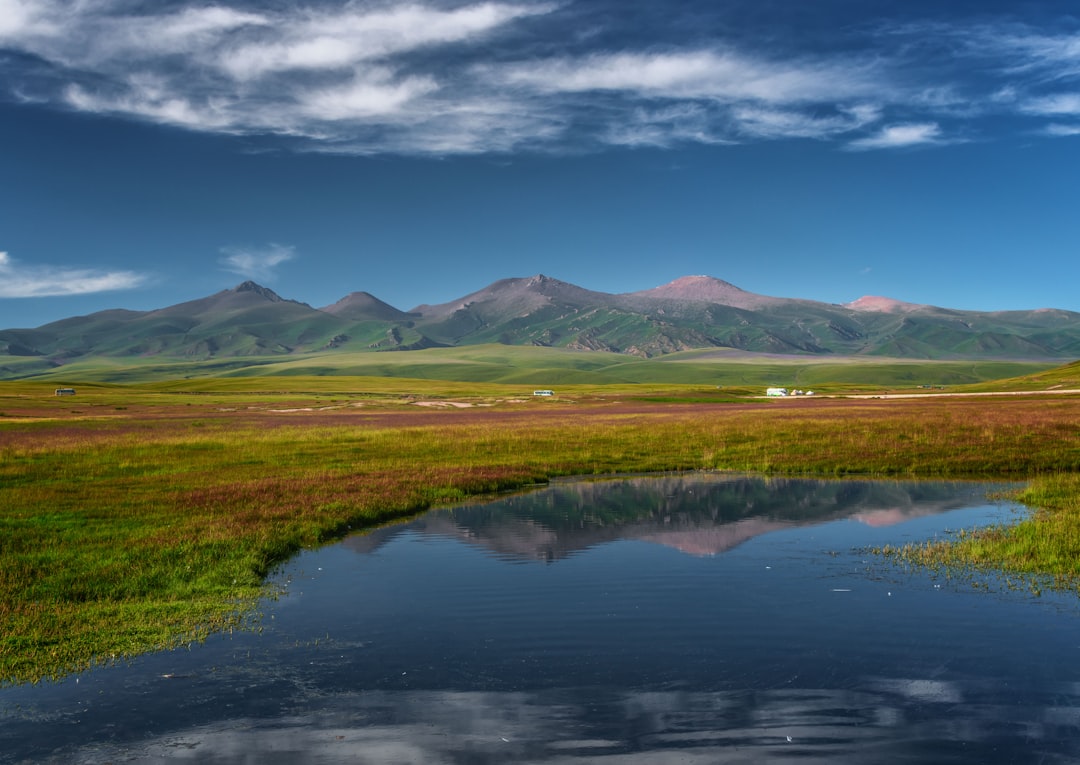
{"points": [[776, 391], [65, 392], [543, 393]]}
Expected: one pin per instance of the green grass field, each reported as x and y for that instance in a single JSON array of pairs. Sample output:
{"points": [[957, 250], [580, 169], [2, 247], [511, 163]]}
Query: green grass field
{"points": [[141, 516], [550, 367]]}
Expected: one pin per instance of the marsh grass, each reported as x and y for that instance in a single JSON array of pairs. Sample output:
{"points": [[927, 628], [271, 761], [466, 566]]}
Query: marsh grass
{"points": [[1044, 547], [123, 531]]}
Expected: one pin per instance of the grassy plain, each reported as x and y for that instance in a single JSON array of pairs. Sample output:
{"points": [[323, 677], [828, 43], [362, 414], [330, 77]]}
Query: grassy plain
{"points": [[135, 517], [541, 368]]}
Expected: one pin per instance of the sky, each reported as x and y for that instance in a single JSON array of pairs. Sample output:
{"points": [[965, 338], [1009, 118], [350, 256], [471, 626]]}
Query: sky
{"points": [[158, 152]]}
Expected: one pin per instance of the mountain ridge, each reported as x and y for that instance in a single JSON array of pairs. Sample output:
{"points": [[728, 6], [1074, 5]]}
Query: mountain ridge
{"points": [[690, 312]]}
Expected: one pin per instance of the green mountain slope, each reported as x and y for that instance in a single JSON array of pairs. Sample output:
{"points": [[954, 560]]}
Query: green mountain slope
{"points": [[254, 323]]}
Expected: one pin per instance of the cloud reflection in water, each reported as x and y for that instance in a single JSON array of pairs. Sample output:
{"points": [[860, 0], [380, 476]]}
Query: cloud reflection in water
{"points": [[903, 722]]}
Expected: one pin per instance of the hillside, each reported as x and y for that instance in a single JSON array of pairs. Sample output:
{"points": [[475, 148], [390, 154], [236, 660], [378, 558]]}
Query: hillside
{"points": [[695, 312]]}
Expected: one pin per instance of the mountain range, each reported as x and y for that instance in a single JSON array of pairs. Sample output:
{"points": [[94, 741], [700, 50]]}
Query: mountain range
{"points": [[692, 312]]}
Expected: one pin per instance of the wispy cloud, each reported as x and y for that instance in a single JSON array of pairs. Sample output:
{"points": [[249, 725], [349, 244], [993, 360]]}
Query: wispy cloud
{"points": [[1056, 104], [787, 123], [256, 263], [1054, 55], [293, 72], [432, 77], [18, 280], [1040, 69], [367, 95], [701, 74], [1058, 129], [349, 36], [901, 136]]}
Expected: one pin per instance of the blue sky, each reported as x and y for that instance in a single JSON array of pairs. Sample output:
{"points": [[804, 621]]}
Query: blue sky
{"points": [[156, 152]]}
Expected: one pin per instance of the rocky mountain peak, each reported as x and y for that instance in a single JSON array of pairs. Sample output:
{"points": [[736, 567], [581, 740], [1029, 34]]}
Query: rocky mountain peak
{"points": [[258, 289]]}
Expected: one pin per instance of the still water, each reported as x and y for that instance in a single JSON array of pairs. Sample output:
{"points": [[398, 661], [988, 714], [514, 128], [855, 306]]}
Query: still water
{"points": [[661, 619]]}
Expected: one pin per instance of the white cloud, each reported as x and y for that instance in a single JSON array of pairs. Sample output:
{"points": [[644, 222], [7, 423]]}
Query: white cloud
{"points": [[345, 38], [152, 99], [189, 32], [474, 124], [704, 74], [365, 97], [433, 77], [17, 280], [1057, 129], [782, 123], [20, 19], [667, 126], [1055, 56], [93, 38], [14, 17], [334, 78], [900, 136], [256, 263], [1059, 103], [195, 25]]}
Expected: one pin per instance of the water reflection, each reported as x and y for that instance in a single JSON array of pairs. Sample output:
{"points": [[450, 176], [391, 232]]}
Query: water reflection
{"points": [[705, 515], [895, 724], [678, 619]]}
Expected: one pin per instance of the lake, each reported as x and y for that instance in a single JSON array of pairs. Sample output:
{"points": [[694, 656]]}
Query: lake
{"points": [[693, 619]]}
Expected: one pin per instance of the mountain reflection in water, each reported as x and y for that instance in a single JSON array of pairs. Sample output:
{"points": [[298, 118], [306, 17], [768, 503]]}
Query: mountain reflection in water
{"points": [[705, 516]]}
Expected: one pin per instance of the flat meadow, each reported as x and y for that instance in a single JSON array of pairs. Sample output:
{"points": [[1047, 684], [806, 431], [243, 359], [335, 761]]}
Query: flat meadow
{"points": [[140, 517]]}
